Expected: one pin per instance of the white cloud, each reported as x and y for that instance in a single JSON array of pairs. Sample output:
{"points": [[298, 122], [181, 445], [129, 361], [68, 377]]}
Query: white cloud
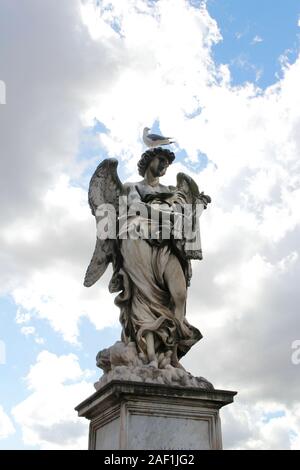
{"points": [[53, 285], [257, 39], [244, 295], [166, 73], [140, 64], [47, 417], [48, 250], [6, 426], [31, 331], [28, 330], [262, 426], [41, 122], [56, 295]]}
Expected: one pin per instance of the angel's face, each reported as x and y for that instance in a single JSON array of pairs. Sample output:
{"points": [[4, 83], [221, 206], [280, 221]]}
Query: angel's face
{"points": [[159, 165]]}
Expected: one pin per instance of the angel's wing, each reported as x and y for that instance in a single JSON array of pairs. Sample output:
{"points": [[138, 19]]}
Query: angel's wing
{"points": [[189, 191], [105, 188], [189, 188], [105, 185]]}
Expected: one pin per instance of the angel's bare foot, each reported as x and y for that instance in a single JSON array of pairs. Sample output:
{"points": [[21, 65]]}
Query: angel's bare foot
{"points": [[153, 363], [177, 365], [150, 347], [180, 366], [143, 357]]}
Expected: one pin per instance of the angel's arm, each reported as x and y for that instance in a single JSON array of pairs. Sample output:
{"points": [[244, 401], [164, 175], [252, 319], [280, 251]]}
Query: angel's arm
{"points": [[205, 199]]}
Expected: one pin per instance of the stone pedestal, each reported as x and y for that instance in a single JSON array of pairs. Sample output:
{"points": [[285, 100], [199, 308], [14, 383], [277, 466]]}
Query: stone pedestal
{"points": [[134, 415]]}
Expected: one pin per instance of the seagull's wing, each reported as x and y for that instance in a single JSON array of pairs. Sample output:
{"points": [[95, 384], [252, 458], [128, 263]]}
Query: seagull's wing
{"points": [[156, 137]]}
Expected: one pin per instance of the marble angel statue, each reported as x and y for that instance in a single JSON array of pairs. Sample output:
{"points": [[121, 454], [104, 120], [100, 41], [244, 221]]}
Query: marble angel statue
{"points": [[149, 233]]}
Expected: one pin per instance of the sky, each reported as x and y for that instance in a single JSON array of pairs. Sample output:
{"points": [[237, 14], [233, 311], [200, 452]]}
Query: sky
{"points": [[78, 82]]}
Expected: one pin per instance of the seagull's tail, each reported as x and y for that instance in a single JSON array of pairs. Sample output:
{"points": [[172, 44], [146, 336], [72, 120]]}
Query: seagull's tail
{"points": [[167, 142]]}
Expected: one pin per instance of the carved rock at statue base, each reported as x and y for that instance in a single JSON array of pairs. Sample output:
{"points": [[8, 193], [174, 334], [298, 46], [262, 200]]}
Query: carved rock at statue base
{"points": [[122, 362]]}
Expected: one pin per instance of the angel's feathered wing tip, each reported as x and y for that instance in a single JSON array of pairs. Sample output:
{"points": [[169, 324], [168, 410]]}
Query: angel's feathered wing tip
{"points": [[94, 272], [89, 278], [87, 281], [107, 162]]}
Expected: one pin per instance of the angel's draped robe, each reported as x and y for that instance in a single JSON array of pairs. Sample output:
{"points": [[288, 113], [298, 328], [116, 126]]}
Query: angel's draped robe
{"points": [[145, 301]]}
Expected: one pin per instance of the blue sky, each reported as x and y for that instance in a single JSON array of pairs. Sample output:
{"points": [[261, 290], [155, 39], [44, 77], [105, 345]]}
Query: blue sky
{"points": [[75, 116], [255, 35]]}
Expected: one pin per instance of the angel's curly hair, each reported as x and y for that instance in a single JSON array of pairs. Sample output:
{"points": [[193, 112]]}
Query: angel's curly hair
{"points": [[150, 154]]}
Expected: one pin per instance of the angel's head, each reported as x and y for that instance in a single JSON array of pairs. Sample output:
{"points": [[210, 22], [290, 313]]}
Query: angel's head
{"points": [[160, 157]]}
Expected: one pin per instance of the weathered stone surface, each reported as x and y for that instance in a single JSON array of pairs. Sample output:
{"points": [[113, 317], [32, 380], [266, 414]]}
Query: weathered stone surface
{"points": [[122, 362], [150, 233], [130, 415], [145, 398]]}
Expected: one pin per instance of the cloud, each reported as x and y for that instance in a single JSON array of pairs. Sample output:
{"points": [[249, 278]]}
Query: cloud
{"points": [[165, 77], [53, 251], [39, 134], [62, 70], [261, 427], [244, 297], [30, 331], [6, 426], [128, 66], [257, 39], [47, 255], [48, 234], [46, 417]]}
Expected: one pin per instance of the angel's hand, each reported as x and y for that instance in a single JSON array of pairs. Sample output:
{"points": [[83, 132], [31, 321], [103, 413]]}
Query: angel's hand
{"points": [[205, 199]]}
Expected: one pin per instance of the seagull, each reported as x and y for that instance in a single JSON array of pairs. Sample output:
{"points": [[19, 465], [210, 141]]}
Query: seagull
{"points": [[154, 140]]}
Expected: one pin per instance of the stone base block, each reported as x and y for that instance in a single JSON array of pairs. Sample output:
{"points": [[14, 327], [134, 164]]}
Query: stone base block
{"points": [[134, 415]]}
